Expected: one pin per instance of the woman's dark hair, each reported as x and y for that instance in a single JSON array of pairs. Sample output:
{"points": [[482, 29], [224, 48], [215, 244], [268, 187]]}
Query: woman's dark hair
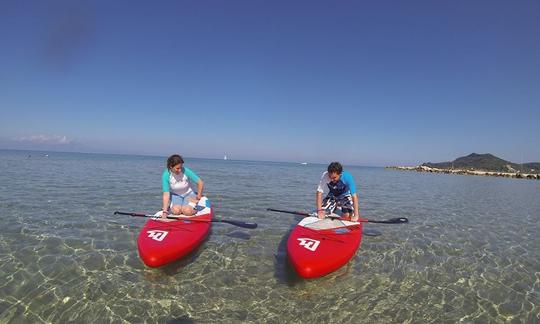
{"points": [[174, 160], [335, 167]]}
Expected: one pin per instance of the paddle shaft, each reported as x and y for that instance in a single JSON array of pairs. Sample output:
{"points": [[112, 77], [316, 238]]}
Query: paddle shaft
{"points": [[367, 232], [290, 212], [232, 222], [399, 220]]}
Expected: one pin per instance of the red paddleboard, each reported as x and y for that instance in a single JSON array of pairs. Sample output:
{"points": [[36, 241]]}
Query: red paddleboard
{"points": [[164, 241], [318, 247]]}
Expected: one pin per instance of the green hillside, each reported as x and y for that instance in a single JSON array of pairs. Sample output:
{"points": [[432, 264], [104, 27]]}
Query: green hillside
{"points": [[486, 162]]}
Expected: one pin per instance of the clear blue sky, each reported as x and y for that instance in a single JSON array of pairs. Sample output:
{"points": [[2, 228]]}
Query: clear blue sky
{"points": [[367, 83]]}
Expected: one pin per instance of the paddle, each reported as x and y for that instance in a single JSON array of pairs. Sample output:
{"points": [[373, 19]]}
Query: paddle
{"points": [[398, 220], [365, 231], [227, 221]]}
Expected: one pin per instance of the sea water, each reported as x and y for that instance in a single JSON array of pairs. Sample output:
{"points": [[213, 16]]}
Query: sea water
{"points": [[470, 253]]}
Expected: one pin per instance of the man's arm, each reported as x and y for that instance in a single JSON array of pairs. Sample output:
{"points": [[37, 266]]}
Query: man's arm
{"points": [[356, 215], [320, 212]]}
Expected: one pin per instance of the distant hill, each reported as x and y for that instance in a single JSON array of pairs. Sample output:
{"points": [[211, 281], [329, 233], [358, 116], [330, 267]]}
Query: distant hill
{"points": [[486, 162]]}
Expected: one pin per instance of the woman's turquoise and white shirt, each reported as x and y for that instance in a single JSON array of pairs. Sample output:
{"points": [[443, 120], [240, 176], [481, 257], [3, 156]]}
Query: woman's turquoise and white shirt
{"points": [[178, 184]]}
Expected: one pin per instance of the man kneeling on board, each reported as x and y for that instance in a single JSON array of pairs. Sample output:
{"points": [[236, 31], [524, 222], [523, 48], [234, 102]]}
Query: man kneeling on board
{"points": [[341, 193]]}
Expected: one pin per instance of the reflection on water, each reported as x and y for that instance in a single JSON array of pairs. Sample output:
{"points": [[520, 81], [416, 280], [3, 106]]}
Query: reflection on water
{"points": [[470, 252]]}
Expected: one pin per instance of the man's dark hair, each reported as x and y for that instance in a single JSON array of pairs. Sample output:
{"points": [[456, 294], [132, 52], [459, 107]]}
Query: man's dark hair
{"points": [[174, 160], [335, 167]]}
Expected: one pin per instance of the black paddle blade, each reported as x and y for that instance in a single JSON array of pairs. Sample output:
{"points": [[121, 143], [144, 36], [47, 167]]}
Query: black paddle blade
{"points": [[130, 214], [236, 223], [371, 232], [397, 220], [122, 213]]}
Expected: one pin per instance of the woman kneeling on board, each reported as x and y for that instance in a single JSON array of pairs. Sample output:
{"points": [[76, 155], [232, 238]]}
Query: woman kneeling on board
{"points": [[177, 193]]}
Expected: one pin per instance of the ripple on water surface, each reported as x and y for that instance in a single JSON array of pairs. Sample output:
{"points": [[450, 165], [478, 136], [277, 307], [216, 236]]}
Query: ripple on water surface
{"points": [[470, 252]]}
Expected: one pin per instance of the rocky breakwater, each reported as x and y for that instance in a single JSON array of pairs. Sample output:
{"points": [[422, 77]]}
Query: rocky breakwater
{"points": [[423, 168]]}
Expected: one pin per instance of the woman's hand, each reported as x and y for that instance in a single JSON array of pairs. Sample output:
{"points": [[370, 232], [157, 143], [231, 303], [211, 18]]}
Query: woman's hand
{"points": [[164, 214]]}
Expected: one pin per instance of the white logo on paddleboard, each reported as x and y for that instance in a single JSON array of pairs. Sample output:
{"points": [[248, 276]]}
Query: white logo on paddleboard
{"points": [[309, 244], [157, 235]]}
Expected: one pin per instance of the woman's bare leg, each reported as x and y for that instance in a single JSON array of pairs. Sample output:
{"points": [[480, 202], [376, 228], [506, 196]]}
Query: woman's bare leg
{"points": [[176, 209], [188, 210]]}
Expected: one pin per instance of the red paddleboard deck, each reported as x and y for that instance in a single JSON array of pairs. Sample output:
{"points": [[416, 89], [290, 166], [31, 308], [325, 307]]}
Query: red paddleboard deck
{"points": [[164, 241], [318, 247]]}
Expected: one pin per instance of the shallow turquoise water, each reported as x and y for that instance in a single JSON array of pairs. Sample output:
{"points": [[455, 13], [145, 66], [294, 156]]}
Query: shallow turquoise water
{"points": [[470, 252]]}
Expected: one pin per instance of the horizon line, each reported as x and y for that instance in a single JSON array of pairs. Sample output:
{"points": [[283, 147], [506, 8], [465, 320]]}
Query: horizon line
{"points": [[186, 156]]}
